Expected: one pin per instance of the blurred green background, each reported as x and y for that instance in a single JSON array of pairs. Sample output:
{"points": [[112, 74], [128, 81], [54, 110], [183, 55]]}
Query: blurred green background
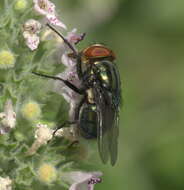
{"points": [[148, 39]]}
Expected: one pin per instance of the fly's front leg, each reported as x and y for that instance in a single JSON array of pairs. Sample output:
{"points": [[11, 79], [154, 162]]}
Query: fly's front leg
{"points": [[67, 83], [79, 67]]}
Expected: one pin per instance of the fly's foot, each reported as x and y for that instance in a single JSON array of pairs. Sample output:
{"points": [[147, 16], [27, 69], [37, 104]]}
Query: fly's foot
{"points": [[67, 132]]}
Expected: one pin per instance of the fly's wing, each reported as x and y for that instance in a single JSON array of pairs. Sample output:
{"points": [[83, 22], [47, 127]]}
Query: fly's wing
{"points": [[108, 103], [116, 103], [102, 136], [113, 136]]}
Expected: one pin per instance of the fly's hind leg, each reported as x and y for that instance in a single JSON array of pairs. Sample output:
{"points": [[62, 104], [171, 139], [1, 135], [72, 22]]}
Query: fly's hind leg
{"points": [[67, 132], [73, 130], [63, 126]]}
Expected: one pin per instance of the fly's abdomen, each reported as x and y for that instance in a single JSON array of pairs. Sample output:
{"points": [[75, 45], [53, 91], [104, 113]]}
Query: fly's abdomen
{"points": [[88, 121]]}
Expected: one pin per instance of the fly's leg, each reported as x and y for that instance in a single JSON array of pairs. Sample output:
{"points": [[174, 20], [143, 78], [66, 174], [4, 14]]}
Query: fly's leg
{"points": [[63, 126], [67, 83], [74, 143], [79, 67], [67, 132]]}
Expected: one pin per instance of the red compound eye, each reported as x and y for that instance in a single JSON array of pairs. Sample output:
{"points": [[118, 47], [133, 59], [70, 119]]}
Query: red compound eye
{"points": [[96, 51]]}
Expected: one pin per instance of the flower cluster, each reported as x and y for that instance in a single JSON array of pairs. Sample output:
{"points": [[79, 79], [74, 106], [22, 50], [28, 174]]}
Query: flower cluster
{"points": [[32, 27], [33, 154], [47, 9], [30, 33]]}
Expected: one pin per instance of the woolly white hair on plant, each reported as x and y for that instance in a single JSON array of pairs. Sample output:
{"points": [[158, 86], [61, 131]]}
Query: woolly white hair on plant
{"points": [[47, 8], [5, 183], [8, 118]]}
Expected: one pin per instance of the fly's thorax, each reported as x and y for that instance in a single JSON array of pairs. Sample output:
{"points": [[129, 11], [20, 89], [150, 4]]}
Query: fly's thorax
{"points": [[102, 71]]}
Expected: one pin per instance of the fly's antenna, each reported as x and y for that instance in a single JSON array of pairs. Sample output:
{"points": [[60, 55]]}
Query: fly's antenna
{"points": [[64, 39]]}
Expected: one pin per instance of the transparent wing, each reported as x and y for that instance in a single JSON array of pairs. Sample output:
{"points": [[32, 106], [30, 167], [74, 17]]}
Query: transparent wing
{"points": [[107, 129], [113, 143], [116, 103], [102, 136], [108, 103]]}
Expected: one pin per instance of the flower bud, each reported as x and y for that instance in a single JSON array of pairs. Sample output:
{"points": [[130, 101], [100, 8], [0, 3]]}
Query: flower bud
{"points": [[47, 173], [20, 5], [7, 59], [31, 110]]}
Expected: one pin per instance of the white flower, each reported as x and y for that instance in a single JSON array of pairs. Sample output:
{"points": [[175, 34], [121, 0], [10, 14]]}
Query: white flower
{"points": [[5, 183], [42, 134], [73, 37], [30, 30], [82, 180], [67, 61], [32, 42], [47, 8], [8, 118], [55, 21], [44, 7], [31, 27]]}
